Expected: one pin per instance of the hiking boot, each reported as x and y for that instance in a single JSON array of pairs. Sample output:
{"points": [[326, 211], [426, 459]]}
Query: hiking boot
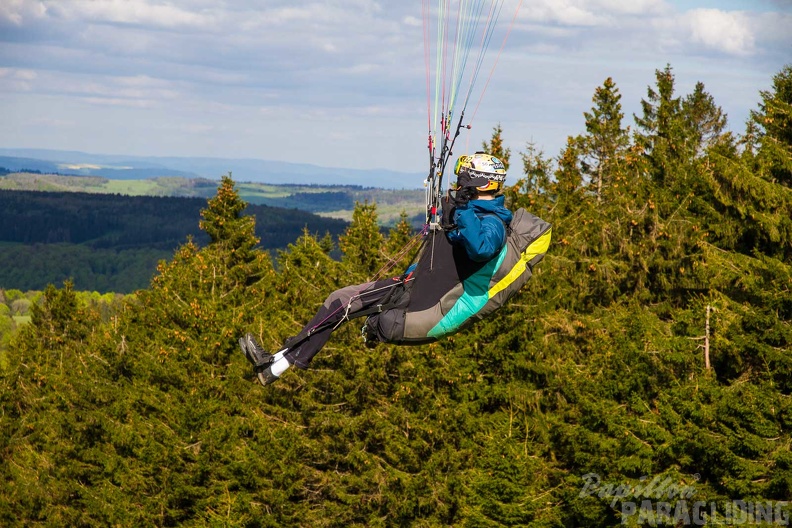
{"points": [[262, 360], [257, 356]]}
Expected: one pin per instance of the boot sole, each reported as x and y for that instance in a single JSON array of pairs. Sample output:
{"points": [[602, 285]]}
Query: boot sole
{"points": [[266, 377]]}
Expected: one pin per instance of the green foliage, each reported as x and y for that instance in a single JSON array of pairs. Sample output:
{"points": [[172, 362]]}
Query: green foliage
{"points": [[774, 118], [495, 146], [670, 242], [704, 118], [401, 245], [106, 270], [605, 143], [362, 243]]}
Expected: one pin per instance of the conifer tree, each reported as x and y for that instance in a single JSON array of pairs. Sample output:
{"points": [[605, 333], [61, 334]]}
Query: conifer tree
{"points": [[567, 187], [748, 211], [52, 402], [56, 320], [397, 246], [183, 360], [706, 120], [662, 134], [362, 242], [495, 146], [201, 282], [537, 171], [532, 190], [618, 191], [326, 243], [605, 141], [230, 232], [307, 274], [774, 119]]}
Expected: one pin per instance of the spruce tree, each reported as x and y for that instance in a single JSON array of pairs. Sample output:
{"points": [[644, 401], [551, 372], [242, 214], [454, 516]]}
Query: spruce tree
{"points": [[567, 188], [662, 131], [307, 274], [605, 141], [401, 244], [532, 189], [55, 401], [231, 272], [705, 119], [185, 367], [495, 146], [774, 119], [362, 242], [231, 233]]}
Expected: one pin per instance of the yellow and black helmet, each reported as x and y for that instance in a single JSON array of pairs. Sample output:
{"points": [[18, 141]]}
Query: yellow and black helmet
{"points": [[483, 171]]}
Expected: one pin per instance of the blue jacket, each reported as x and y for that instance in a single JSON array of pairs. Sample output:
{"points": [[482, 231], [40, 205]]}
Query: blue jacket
{"points": [[481, 227]]}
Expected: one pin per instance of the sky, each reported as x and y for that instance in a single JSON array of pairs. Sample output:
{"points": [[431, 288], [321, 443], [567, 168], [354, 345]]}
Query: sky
{"points": [[342, 83]]}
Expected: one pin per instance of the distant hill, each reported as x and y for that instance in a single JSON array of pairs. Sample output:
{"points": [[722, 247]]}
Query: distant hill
{"points": [[15, 164], [252, 170], [333, 201], [109, 242], [116, 172]]}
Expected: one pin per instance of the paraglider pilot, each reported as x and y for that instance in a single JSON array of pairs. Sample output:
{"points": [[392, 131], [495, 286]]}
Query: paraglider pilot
{"points": [[451, 285]]}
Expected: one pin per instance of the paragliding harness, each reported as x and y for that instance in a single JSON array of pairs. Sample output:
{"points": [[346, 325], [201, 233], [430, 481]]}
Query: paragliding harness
{"points": [[448, 291]]}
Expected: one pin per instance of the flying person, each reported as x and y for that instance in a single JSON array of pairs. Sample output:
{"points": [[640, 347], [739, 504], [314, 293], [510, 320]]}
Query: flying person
{"points": [[464, 271]]}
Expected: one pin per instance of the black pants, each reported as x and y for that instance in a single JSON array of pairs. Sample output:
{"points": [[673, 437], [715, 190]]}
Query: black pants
{"points": [[344, 304]]}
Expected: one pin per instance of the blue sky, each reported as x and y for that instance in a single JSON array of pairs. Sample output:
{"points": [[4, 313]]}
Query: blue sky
{"points": [[341, 83]]}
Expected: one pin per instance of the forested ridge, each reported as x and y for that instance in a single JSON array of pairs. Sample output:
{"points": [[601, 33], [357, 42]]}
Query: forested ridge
{"points": [[652, 343], [335, 200], [111, 242]]}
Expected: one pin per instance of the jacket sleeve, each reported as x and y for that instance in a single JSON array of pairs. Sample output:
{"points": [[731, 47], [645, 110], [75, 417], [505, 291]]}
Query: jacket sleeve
{"points": [[482, 238]]}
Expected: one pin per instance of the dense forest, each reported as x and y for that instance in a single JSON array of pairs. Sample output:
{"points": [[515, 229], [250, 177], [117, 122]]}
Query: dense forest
{"points": [[647, 362], [336, 201], [15, 309], [112, 243]]}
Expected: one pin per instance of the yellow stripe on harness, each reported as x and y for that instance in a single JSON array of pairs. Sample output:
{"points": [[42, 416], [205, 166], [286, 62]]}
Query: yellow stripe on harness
{"points": [[537, 247]]}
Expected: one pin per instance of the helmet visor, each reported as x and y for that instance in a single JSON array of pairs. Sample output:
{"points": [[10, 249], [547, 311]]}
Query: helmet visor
{"points": [[468, 177]]}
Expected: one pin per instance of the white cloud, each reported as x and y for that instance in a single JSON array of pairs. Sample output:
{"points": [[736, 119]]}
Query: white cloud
{"points": [[135, 12], [589, 13], [197, 128], [17, 80], [25, 75], [725, 31], [248, 65], [362, 69], [136, 91], [17, 74], [18, 12], [119, 101], [412, 21], [632, 7], [564, 12]]}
